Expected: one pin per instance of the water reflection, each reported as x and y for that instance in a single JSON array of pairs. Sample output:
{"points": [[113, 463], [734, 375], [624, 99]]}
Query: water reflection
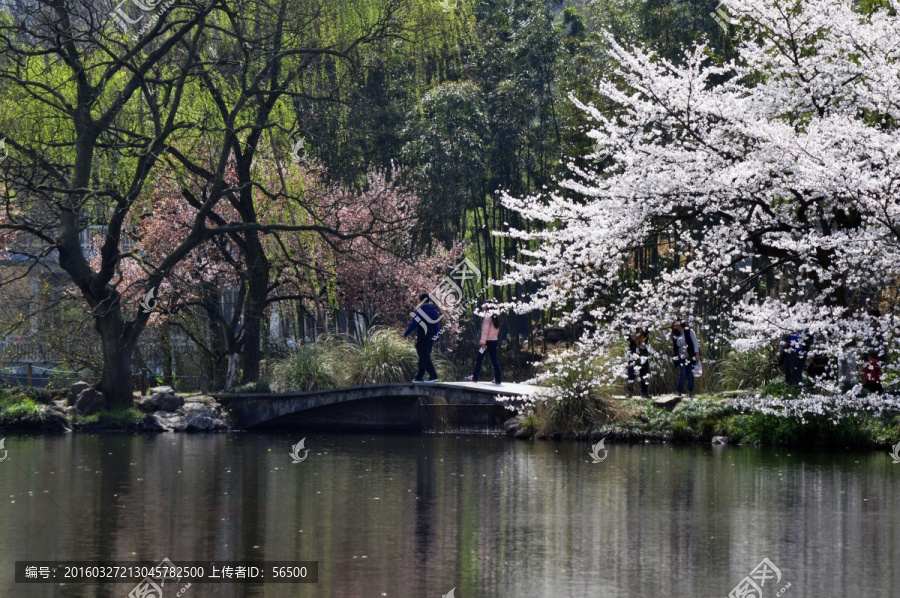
{"points": [[410, 516]]}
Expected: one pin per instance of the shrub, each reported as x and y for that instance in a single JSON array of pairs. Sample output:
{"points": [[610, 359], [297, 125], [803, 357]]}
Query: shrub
{"points": [[741, 370], [530, 421], [574, 400], [20, 410], [35, 393], [313, 366], [682, 432], [383, 356]]}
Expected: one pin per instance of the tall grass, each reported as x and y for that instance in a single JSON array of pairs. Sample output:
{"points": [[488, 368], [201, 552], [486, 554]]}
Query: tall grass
{"points": [[313, 366], [741, 370], [381, 357], [575, 400]]}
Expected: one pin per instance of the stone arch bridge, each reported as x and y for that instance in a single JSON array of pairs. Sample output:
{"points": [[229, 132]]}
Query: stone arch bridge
{"points": [[390, 407]]}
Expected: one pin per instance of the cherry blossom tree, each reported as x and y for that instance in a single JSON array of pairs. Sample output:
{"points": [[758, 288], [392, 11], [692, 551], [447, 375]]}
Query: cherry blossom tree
{"points": [[768, 188], [372, 266]]}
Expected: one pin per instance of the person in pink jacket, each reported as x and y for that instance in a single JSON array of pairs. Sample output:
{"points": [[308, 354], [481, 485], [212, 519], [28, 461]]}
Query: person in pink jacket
{"points": [[490, 330]]}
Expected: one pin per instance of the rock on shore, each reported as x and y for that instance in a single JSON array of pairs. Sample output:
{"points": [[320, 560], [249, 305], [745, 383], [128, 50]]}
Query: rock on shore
{"points": [[515, 428], [205, 415]]}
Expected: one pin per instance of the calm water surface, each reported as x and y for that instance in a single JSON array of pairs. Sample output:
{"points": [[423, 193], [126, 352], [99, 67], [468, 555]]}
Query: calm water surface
{"points": [[414, 516]]}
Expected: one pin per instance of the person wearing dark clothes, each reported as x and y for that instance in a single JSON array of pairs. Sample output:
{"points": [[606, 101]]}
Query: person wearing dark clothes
{"points": [[426, 323], [490, 332], [818, 359], [793, 357], [639, 362], [686, 355], [872, 373]]}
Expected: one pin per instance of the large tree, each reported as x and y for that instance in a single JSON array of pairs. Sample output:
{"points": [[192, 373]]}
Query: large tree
{"points": [[767, 187], [87, 112], [91, 114]]}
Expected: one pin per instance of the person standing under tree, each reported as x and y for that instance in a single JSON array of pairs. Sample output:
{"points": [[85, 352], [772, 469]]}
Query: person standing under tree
{"points": [[686, 353], [639, 362], [872, 373], [427, 324], [490, 331], [794, 347]]}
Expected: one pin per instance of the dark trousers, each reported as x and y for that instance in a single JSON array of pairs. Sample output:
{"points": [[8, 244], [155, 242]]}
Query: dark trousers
{"points": [[641, 371], [423, 350], [793, 368], [495, 361], [873, 386], [817, 367], [687, 375]]}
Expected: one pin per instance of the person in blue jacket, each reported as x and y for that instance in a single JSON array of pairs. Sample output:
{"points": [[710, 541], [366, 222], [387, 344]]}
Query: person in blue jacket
{"points": [[427, 324]]}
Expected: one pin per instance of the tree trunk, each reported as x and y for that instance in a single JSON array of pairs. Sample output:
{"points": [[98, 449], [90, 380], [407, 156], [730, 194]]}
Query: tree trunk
{"points": [[166, 342], [257, 278], [231, 376], [118, 346]]}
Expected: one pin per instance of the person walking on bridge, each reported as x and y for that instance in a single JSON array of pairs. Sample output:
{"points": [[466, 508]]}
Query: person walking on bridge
{"points": [[427, 324], [490, 331]]}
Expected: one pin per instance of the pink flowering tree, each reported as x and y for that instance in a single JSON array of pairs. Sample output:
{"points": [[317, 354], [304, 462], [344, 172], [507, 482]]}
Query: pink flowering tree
{"points": [[372, 269]]}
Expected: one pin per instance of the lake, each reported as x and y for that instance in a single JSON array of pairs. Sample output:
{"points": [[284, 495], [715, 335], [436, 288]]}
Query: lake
{"points": [[418, 516]]}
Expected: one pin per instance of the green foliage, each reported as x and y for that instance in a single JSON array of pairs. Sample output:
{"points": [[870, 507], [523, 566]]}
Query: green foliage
{"points": [[260, 387], [781, 390], [36, 394], [383, 356], [531, 421], [20, 410], [682, 431], [446, 153], [699, 421], [313, 366], [739, 370], [127, 417], [856, 431], [691, 421]]}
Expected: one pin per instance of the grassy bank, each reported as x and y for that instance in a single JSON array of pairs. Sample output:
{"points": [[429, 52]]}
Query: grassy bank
{"points": [[640, 420]]}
